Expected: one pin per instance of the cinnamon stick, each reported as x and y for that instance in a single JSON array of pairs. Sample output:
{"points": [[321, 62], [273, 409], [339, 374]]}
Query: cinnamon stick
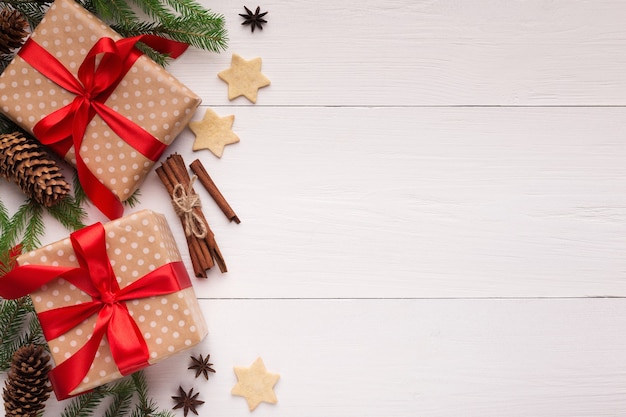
{"points": [[204, 252], [205, 179], [192, 244]]}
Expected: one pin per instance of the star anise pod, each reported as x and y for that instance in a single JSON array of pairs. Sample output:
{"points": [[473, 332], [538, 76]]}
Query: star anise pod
{"points": [[253, 19], [187, 401], [201, 366]]}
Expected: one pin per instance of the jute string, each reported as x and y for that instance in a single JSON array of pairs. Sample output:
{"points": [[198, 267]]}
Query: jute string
{"points": [[184, 201]]}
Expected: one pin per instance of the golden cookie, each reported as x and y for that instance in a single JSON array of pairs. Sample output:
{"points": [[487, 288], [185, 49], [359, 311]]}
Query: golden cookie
{"points": [[244, 78], [255, 384], [213, 132]]}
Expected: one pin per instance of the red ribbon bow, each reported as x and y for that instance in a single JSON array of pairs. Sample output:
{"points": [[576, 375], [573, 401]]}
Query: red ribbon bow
{"points": [[96, 277], [66, 126]]}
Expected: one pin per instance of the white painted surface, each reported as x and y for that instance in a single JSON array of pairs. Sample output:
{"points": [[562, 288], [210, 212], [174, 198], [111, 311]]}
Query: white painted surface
{"points": [[413, 241]]}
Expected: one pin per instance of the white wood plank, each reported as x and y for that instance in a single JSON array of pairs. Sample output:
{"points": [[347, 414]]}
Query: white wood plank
{"points": [[413, 202], [406, 52], [439, 358], [417, 202]]}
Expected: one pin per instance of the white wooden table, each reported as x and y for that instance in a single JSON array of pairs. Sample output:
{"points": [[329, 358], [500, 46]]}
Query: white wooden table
{"points": [[433, 206]]}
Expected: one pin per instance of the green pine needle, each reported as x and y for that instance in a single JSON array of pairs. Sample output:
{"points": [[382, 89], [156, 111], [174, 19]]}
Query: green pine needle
{"points": [[133, 200], [34, 225], [83, 405], [181, 20], [69, 213], [139, 379], [122, 393], [4, 217], [115, 10], [27, 220], [16, 328], [80, 197]]}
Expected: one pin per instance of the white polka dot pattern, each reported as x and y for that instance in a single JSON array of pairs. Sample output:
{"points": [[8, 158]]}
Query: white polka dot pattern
{"points": [[169, 323], [148, 95]]}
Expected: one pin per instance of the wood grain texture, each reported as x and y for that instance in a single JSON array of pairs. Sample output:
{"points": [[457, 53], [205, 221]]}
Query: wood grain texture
{"points": [[475, 358], [427, 52], [430, 191], [418, 202]]}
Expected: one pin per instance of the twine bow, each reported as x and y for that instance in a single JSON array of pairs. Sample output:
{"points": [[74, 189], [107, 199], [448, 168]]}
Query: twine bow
{"points": [[184, 201]]}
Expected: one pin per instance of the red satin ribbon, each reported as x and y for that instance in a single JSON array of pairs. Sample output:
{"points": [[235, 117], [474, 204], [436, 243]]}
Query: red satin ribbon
{"points": [[66, 126], [96, 277]]}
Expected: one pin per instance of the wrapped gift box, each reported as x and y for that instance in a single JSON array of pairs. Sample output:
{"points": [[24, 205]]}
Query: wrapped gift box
{"points": [[136, 245], [147, 95]]}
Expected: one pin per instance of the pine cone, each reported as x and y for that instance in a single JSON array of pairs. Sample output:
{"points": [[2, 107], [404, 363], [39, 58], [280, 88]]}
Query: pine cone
{"points": [[25, 161], [27, 388], [12, 30]]}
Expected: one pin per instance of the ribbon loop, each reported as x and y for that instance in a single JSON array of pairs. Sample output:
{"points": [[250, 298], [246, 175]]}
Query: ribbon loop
{"points": [[95, 82], [96, 277]]}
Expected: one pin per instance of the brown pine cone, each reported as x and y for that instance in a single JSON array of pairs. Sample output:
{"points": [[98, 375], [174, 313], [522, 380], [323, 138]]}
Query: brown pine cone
{"points": [[27, 163], [27, 388], [12, 30]]}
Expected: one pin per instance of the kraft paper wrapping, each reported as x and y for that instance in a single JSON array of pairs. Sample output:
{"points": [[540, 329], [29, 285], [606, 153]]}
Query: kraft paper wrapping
{"points": [[136, 245], [148, 95]]}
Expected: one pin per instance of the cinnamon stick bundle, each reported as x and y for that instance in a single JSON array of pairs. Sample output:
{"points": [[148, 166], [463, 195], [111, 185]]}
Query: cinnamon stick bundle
{"points": [[204, 178], [203, 250]]}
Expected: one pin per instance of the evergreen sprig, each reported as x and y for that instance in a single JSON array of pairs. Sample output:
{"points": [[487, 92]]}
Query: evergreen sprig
{"points": [[121, 396], [69, 212], [122, 393], [27, 225], [27, 221], [4, 217], [18, 327], [181, 20], [83, 405]]}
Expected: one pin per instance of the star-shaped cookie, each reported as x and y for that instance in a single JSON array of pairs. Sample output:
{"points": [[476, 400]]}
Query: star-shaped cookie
{"points": [[213, 132], [244, 78], [255, 384]]}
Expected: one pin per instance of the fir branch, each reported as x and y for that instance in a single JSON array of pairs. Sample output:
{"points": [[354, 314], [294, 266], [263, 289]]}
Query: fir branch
{"points": [[115, 10], [192, 23], [145, 406], [122, 393], [28, 220], [133, 200], [154, 9], [14, 315], [34, 225], [83, 405], [192, 8], [69, 213], [35, 333], [204, 35], [139, 380], [4, 217], [163, 413], [80, 197]]}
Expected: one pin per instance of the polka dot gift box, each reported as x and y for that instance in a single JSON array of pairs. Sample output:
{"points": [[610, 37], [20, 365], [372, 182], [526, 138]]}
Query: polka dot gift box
{"points": [[144, 94], [152, 300]]}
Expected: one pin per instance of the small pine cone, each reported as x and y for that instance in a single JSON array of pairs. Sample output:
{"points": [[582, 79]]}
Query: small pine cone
{"points": [[27, 388], [25, 161], [12, 30]]}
